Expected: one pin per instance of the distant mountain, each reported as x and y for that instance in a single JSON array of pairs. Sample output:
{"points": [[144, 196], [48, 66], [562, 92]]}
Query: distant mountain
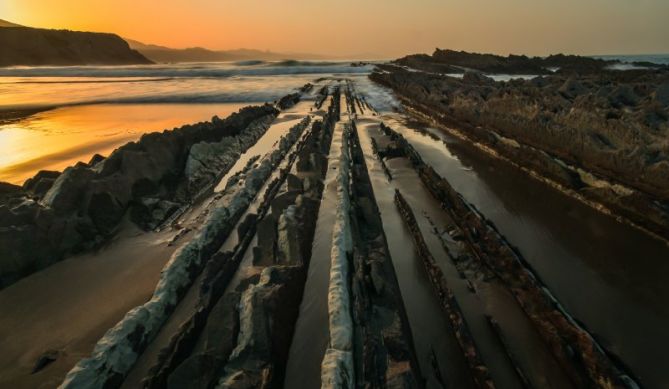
{"points": [[36, 46], [162, 54], [4, 23]]}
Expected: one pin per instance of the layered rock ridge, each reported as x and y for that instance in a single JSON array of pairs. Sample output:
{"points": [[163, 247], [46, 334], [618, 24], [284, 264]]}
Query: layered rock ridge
{"points": [[599, 136]]}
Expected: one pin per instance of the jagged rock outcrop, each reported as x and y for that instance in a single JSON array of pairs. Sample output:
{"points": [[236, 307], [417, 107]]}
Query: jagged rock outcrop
{"points": [[58, 214], [206, 160], [39, 184], [219, 339], [268, 310], [337, 367], [289, 100], [385, 343], [271, 305], [602, 136], [370, 341], [267, 301], [451, 61]]}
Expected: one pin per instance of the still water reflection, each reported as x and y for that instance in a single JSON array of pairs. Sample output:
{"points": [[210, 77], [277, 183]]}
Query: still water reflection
{"points": [[55, 139]]}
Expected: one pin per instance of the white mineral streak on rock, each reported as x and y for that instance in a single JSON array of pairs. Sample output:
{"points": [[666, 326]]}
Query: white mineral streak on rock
{"points": [[337, 367], [115, 353], [288, 245], [221, 156]]}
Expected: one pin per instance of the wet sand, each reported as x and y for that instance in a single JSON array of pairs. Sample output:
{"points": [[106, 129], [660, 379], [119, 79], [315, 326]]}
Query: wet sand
{"points": [[187, 305], [69, 306]]}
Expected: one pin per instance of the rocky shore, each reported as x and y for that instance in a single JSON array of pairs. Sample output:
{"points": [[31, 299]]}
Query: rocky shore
{"points": [[54, 214], [595, 133], [318, 242], [493, 255], [370, 341]]}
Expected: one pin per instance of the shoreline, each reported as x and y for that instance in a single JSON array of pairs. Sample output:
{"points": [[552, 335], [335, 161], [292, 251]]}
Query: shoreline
{"points": [[9, 116]]}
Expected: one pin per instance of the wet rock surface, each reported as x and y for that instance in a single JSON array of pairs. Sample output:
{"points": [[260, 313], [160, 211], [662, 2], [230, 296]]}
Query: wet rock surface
{"points": [[598, 134], [240, 331], [381, 328], [292, 99], [586, 363], [45, 359]]}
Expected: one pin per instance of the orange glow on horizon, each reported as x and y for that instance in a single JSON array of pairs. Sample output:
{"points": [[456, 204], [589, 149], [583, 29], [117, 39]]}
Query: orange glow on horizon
{"points": [[383, 28]]}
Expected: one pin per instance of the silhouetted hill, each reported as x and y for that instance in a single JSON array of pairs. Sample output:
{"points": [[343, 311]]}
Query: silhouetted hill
{"points": [[4, 23], [36, 46], [164, 54]]}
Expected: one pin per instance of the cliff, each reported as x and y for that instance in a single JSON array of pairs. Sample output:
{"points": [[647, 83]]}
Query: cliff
{"points": [[36, 46]]}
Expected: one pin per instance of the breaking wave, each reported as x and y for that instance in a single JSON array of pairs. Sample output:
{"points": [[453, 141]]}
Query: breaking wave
{"points": [[243, 81], [291, 62], [212, 70]]}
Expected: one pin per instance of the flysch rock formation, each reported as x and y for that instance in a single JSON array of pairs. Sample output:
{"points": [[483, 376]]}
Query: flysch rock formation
{"points": [[370, 342], [595, 133], [181, 360], [240, 202], [465, 339], [269, 306], [337, 367], [387, 346], [592, 367]]}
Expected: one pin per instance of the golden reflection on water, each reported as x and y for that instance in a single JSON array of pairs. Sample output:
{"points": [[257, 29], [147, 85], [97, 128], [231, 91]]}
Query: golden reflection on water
{"points": [[55, 139]]}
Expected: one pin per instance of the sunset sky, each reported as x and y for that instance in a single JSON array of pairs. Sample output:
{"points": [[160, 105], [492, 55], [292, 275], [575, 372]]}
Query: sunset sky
{"points": [[385, 28]]}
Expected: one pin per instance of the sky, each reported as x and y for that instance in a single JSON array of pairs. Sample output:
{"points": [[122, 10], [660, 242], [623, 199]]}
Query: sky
{"points": [[355, 28]]}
